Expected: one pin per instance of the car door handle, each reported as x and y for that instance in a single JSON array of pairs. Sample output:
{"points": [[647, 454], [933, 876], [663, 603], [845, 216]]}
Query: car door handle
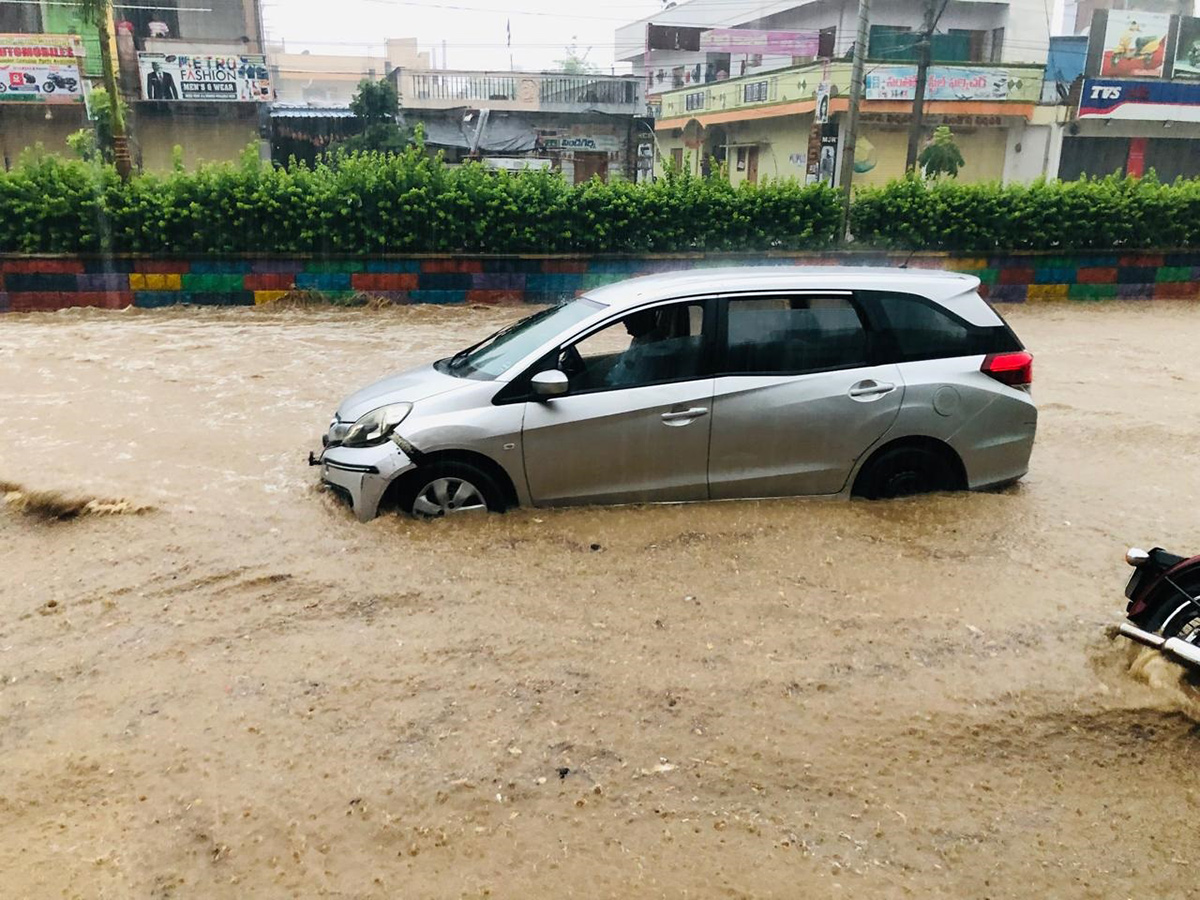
{"points": [[865, 389], [685, 415]]}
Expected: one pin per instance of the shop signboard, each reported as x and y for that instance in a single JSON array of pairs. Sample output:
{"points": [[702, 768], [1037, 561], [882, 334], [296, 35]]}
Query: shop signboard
{"points": [[597, 142], [40, 68], [944, 83], [767, 43], [1135, 44], [1187, 52], [181, 76], [1155, 101]]}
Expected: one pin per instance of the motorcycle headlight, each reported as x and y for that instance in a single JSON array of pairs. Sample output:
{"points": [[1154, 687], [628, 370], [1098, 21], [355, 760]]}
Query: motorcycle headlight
{"points": [[376, 426]]}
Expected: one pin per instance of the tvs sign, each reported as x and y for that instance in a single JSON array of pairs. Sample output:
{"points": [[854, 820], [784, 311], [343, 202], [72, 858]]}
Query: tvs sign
{"points": [[1156, 101]]}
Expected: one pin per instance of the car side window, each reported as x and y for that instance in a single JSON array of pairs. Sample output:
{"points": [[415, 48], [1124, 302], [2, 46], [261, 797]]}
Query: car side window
{"points": [[793, 335], [646, 347], [912, 328]]}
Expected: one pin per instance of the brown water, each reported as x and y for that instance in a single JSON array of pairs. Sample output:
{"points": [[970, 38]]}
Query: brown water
{"points": [[241, 691]]}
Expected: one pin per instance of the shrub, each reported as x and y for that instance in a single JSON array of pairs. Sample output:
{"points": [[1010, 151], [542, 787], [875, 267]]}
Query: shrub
{"points": [[1101, 213], [408, 202]]}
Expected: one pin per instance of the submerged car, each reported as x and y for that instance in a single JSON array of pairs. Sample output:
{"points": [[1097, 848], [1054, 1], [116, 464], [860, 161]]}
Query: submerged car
{"points": [[706, 384]]}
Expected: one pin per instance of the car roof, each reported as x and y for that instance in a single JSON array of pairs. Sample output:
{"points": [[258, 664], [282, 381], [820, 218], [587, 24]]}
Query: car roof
{"points": [[933, 284]]}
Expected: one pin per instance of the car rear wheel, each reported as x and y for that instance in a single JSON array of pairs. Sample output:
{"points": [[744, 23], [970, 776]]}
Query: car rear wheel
{"points": [[904, 471], [450, 488]]}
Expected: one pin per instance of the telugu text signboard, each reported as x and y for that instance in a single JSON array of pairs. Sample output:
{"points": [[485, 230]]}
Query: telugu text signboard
{"points": [[1155, 101], [40, 68], [944, 83], [1135, 44], [768, 43], [178, 76]]}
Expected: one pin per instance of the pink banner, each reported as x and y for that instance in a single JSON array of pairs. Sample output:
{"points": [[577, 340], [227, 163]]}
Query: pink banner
{"points": [[768, 43]]}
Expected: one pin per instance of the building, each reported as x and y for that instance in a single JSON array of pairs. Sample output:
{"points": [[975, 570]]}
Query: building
{"points": [[1139, 101], [331, 81], [1077, 14], [581, 125], [193, 77], [745, 92]]}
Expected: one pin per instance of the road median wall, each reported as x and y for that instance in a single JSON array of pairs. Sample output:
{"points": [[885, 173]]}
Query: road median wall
{"points": [[48, 283]]}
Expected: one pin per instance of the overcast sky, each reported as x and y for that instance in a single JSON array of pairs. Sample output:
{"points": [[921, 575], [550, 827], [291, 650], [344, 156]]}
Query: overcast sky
{"points": [[474, 30]]}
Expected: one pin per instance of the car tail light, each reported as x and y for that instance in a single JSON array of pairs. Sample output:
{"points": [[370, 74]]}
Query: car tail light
{"points": [[1015, 369]]}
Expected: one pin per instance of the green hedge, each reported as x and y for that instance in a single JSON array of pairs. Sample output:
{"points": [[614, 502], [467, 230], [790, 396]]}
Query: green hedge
{"points": [[1046, 215], [409, 203]]}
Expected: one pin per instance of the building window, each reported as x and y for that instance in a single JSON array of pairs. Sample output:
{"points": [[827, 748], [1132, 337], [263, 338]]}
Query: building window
{"points": [[694, 100], [996, 52], [677, 158], [755, 92], [892, 42]]}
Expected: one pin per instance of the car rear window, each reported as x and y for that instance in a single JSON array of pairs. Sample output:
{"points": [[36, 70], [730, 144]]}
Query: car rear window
{"points": [[790, 335], [910, 328]]}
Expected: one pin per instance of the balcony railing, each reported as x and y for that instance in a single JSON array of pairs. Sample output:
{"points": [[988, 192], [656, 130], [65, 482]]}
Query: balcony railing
{"points": [[885, 81], [520, 91]]}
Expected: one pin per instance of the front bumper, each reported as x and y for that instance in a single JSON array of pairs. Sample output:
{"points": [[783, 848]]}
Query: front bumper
{"points": [[363, 473]]}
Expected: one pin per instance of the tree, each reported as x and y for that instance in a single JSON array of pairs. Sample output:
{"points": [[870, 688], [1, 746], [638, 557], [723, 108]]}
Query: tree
{"points": [[941, 156], [100, 14], [97, 142], [575, 63], [375, 107]]}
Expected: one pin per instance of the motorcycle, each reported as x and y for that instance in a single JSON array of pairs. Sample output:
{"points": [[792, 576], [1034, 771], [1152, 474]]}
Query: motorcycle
{"points": [[1143, 49], [1164, 604], [58, 81]]}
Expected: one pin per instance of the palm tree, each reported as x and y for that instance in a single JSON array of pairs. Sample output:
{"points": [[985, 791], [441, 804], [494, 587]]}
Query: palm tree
{"points": [[99, 13]]}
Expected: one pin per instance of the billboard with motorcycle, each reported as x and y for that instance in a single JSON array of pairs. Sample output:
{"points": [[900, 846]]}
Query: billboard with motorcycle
{"points": [[1135, 44], [40, 68], [1187, 52]]}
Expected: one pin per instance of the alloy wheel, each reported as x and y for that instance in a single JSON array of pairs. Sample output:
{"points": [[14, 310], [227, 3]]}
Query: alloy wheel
{"points": [[448, 496]]}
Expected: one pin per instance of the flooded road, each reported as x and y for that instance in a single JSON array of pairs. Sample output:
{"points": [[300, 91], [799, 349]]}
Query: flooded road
{"points": [[216, 683]]}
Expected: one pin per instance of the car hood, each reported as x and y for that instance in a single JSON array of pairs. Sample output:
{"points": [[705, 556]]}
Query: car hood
{"points": [[411, 386]]}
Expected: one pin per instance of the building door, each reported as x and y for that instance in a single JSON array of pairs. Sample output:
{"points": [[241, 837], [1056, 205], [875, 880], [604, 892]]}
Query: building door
{"points": [[588, 164], [752, 165]]}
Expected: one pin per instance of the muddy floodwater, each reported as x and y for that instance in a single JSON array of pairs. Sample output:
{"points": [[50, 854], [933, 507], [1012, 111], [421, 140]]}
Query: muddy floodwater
{"points": [[215, 683]]}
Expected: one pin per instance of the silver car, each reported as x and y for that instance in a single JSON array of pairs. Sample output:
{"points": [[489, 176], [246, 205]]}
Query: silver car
{"points": [[699, 385]]}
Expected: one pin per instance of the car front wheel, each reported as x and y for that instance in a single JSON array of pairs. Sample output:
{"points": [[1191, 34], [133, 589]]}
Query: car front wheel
{"points": [[450, 488]]}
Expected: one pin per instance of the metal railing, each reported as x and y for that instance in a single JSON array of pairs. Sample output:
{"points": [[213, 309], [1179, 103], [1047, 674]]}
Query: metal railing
{"points": [[525, 90]]}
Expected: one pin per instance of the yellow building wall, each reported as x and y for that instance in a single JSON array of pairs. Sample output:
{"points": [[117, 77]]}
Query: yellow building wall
{"points": [[982, 150], [204, 139]]}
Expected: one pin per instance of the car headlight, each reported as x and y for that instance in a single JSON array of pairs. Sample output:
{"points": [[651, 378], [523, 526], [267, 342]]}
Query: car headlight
{"points": [[376, 426]]}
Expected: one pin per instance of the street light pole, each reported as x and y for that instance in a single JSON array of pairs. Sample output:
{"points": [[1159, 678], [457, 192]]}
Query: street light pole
{"points": [[933, 15], [850, 142]]}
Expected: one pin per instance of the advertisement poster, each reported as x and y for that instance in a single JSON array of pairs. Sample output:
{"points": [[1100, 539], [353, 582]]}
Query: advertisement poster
{"points": [[1153, 101], [821, 113], [1135, 44], [827, 161], [40, 68], [768, 43], [231, 79], [900, 83], [1187, 56]]}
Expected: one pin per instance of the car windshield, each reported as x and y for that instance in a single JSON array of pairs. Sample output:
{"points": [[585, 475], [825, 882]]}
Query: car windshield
{"points": [[499, 352]]}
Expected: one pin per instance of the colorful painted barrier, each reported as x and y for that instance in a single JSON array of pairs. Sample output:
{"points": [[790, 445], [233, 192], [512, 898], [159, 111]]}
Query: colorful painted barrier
{"points": [[29, 284]]}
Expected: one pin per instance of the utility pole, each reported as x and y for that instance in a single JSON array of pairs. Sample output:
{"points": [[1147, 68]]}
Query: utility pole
{"points": [[100, 14], [850, 142], [933, 15]]}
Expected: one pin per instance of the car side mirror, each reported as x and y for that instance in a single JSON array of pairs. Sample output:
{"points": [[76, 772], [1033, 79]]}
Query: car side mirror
{"points": [[551, 383]]}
